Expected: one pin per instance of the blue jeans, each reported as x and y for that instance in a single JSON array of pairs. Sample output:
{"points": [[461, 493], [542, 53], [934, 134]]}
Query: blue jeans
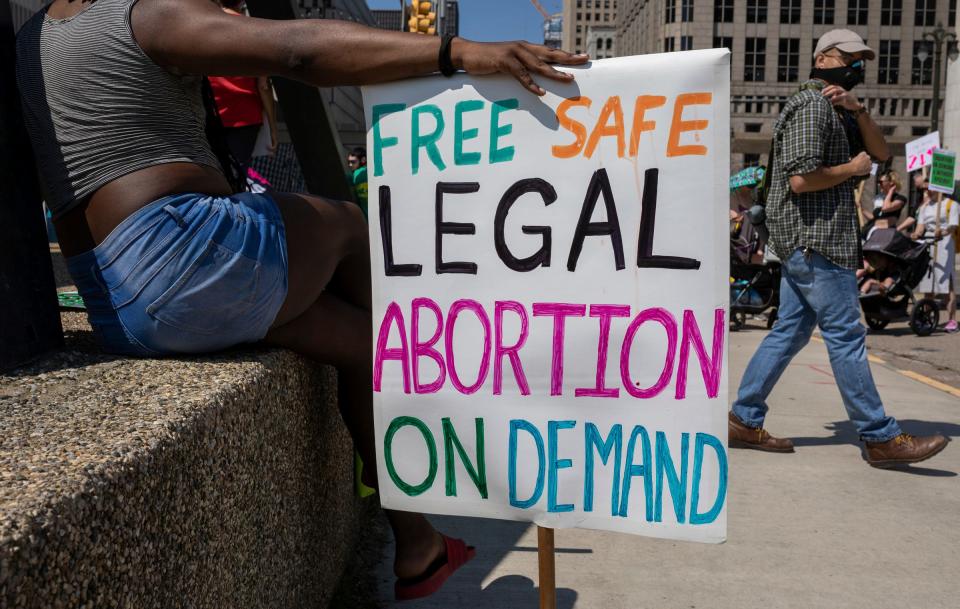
{"points": [[188, 273], [814, 291]]}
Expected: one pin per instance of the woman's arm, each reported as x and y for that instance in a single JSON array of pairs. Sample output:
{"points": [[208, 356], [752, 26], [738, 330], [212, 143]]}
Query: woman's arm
{"points": [[892, 204], [918, 231], [322, 52], [269, 108]]}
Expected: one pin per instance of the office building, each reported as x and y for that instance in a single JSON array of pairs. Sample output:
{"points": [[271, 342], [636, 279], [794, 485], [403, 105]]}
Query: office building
{"points": [[589, 26], [772, 52]]}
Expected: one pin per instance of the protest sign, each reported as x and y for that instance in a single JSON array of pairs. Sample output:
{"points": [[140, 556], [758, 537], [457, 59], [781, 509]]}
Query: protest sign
{"points": [[943, 171], [920, 151], [550, 284]]}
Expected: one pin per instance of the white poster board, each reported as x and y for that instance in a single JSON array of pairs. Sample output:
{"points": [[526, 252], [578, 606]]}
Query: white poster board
{"points": [[920, 151], [550, 289]]}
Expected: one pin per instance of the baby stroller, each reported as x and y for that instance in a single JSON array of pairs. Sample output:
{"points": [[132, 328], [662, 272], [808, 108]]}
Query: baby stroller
{"points": [[754, 285], [903, 262], [754, 288]]}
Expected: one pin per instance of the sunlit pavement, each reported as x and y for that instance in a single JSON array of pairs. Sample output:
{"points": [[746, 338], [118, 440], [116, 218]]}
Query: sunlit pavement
{"points": [[818, 528]]}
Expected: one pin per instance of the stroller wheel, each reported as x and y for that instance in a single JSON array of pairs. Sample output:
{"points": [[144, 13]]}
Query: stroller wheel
{"points": [[877, 324], [925, 317], [771, 318], [738, 319]]}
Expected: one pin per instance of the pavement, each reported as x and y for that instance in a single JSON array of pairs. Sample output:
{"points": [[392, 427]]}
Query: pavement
{"points": [[818, 528]]}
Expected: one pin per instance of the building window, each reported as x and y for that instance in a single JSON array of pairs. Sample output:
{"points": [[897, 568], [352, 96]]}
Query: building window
{"points": [[756, 11], [823, 11], [788, 60], [888, 130], [754, 59], [609, 44], [723, 42], [926, 13], [890, 11], [670, 11], [918, 131], [922, 71], [889, 62], [952, 13], [752, 127], [750, 160], [723, 11], [789, 11], [668, 45], [686, 43], [857, 12], [686, 10]]}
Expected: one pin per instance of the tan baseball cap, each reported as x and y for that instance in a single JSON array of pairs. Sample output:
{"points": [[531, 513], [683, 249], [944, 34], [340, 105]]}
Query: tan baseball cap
{"points": [[845, 40]]}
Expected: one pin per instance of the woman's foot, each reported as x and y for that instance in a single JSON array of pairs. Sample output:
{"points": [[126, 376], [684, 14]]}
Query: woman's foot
{"points": [[415, 557], [951, 326], [456, 554]]}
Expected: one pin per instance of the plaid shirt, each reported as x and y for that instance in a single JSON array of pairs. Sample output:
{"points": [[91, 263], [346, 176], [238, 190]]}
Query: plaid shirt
{"points": [[808, 135]]}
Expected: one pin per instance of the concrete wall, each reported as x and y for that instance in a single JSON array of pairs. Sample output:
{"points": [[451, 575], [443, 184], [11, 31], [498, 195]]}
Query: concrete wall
{"points": [[206, 482], [951, 106]]}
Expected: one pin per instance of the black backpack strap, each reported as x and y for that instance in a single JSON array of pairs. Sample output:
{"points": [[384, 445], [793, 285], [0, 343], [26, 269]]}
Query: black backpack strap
{"points": [[217, 136]]}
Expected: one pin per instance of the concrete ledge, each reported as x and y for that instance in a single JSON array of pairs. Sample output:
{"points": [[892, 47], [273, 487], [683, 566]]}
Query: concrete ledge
{"points": [[221, 482]]}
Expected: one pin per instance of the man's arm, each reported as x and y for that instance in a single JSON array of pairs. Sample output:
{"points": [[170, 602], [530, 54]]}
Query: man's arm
{"points": [[873, 139], [823, 178], [802, 137], [196, 37]]}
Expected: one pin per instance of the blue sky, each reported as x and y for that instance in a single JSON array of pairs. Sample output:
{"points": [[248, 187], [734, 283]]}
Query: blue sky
{"points": [[495, 19]]}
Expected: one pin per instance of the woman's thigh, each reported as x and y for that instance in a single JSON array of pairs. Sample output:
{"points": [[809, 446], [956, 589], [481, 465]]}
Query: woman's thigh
{"points": [[320, 234], [331, 331]]}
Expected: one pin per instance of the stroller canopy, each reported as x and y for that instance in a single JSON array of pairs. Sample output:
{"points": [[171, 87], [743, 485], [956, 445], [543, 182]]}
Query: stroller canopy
{"points": [[893, 243], [751, 176]]}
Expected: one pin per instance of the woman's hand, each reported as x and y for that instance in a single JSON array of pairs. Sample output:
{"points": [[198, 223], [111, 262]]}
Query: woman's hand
{"points": [[522, 60], [937, 233]]}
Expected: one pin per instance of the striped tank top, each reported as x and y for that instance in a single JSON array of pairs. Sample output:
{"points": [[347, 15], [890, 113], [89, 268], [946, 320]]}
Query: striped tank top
{"points": [[97, 107]]}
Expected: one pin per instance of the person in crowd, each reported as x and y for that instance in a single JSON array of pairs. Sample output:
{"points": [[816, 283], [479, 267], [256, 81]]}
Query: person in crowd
{"points": [[875, 280], [814, 230], [168, 258], [888, 204], [938, 220], [918, 198], [242, 102], [357, 175]]}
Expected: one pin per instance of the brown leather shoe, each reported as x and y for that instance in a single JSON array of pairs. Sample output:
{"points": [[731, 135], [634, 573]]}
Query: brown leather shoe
{"points": [[757, 438], [904, 449]]}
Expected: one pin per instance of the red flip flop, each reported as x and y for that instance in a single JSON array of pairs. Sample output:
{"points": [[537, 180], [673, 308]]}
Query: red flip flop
{"points": [[458, 554]]}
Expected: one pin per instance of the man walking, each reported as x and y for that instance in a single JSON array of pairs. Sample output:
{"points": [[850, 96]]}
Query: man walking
{"points": [[823, 140]]}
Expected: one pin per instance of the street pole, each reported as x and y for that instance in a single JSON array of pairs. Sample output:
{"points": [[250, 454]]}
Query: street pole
{"points": [[938, 36]]}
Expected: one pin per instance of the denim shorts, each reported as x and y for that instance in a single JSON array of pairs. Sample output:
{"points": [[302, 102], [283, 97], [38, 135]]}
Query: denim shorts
{"points": [[188, 273]]}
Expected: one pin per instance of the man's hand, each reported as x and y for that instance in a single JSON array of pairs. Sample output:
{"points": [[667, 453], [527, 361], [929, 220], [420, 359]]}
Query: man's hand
{"points": [[860, 165], [520, 59], [838, 96]]}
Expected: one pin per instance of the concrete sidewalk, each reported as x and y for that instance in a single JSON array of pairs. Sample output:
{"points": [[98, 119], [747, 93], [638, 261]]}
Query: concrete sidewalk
{"points": [[819, 528]]}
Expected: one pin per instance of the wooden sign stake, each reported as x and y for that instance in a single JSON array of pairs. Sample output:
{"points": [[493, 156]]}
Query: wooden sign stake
{"points": [[548, 571]]}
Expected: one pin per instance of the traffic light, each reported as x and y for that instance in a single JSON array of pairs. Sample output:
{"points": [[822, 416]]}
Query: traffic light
{"points": [[422, 19]]}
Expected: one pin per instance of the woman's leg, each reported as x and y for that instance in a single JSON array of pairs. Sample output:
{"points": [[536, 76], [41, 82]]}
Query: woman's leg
{"points": [[952, 301], [326, 317]]}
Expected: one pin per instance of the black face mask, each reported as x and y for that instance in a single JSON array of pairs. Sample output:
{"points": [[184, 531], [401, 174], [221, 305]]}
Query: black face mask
{"points": [[847, 77]]}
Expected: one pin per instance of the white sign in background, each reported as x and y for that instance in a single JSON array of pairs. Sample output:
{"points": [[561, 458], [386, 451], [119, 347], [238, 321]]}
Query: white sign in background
{"points": [[920, 151], [491, 329]]}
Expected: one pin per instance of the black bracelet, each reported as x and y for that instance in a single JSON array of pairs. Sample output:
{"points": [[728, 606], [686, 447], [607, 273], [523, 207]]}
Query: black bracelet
{"points": [[445, 62]]}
